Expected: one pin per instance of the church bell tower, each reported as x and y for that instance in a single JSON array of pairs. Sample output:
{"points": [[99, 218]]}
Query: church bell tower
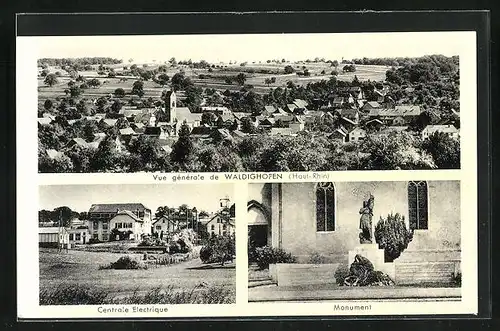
{"points": [[171, 106]]}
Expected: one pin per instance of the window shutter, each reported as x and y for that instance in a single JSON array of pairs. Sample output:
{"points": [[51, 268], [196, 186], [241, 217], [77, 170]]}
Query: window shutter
{"points": [[330, 209]]}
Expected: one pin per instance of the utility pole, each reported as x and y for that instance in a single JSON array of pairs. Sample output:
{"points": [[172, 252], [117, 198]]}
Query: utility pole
{"points": [[59, 232]]}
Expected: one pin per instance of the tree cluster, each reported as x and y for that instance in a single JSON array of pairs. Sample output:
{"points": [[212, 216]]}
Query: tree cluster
{"points": [[77, 63], [59, 216]]}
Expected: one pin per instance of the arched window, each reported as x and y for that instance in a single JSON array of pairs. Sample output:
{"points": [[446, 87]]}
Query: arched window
{"points": [[417, 205], [325, 207], [213, 227]]}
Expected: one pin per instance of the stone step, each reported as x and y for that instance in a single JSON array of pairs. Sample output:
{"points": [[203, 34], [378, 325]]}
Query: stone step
{"points": [[259, 283], [304, 274], [418, 272], [430, 255]]}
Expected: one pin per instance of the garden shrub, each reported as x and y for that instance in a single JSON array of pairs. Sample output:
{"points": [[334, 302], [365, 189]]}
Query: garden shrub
{"points": [[125, 262], [94, 241], [179, 246], [150, 241], [218, 250], [317, 258], [456, 279], [392, 236], [269, 255], [206, 254], [341, 274]]}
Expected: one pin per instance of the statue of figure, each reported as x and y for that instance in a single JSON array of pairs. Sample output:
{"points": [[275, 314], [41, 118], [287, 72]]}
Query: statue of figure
{"points": [[365, 222]]}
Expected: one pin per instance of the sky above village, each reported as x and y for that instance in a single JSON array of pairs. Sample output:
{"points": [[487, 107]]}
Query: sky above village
{"points": [[252, 47], [80, 197]]}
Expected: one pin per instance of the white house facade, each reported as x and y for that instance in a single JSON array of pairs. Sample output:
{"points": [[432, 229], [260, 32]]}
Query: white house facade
{"points": [[323, 218]]}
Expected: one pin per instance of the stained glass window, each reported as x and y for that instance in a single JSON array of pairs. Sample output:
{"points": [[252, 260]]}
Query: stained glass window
{"points": [[417, 205], [325, 207]]}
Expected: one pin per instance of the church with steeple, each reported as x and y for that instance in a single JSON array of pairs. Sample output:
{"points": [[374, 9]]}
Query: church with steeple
{"points": [[171, 106]]}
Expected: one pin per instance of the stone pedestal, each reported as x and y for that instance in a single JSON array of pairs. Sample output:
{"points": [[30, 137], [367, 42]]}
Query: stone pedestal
{"points": [[376, 256], [371, 252]]}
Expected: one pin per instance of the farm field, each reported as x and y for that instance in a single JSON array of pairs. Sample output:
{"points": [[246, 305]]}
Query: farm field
{"points": [[216, 78], [82, 268]]}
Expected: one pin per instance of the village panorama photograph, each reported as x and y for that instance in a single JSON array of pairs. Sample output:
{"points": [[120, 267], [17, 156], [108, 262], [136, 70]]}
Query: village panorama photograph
{"points": [[136, 244], [255, 103]]}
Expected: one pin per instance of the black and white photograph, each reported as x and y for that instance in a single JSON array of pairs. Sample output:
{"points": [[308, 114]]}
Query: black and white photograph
{"points": [[136, 244], [365, 241], [249, 102]]}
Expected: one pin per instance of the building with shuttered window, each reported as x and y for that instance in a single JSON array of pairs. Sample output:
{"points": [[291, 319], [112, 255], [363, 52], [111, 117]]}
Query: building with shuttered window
{"points": [[324, 217]]}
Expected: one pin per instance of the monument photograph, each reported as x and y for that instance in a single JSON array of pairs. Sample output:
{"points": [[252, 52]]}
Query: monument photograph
{"points": [[390, 240]]}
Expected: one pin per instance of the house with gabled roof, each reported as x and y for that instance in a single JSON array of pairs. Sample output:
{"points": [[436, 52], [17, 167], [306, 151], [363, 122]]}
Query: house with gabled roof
{"points": [[156, 132], [238, 134], [296, 124], [52, 153], [408, 113], [357, 134], [53, 117], [268, 110], [44, 120], [138, 127], [371, 105], [267, 122], [337, 102], [130, 225], [391, 129], [99, 136], [217, 110], [374, 124], [127, 132], [124, 217], [354, 91], [450, 130], [283, 118], [351, 114], [76, 142], [222, 223], [291, 107], [339, 134], [280, 111], [240, 115], [164, 227], [301, 104], [314, 115], [280, 132], [110, 122]]}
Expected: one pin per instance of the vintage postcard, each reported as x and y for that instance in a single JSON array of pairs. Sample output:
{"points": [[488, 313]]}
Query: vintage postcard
{"points": [[227, 175]]}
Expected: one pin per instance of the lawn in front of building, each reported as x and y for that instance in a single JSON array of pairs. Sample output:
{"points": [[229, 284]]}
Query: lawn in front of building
{"points": [[81, 268]]}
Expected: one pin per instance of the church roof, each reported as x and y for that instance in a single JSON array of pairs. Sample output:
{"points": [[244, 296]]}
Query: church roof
{"points": [[184, 114]]}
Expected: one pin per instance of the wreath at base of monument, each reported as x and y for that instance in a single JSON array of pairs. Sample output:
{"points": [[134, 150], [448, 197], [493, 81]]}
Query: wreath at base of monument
{"points": [[362, 273]]}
